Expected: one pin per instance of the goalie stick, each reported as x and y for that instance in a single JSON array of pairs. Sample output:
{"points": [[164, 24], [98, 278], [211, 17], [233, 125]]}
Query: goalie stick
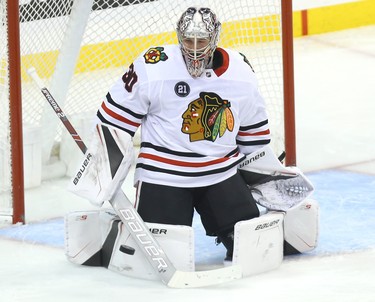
{"points": [[138, 229]]}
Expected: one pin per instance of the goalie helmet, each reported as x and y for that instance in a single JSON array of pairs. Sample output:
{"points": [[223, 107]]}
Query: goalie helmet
{"points": [[198, 32]]}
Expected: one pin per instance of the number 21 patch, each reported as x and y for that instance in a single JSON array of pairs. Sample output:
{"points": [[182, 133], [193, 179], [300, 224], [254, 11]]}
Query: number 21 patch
{"points": [[182, 89]]}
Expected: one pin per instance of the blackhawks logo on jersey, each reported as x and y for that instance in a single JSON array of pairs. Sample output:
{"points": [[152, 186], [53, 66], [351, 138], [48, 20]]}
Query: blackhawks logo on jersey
{"points": [[154, 55], [207, 117]]}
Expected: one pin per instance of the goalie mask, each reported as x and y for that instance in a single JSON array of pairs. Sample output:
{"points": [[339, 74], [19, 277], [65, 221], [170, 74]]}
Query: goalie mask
{"points": [[198, 33]]}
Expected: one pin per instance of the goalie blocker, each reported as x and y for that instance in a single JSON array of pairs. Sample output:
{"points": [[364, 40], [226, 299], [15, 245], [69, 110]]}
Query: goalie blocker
{"points": [[105, 166]]}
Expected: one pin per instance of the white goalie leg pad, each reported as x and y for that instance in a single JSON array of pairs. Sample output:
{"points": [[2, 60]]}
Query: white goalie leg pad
{"points": [[85, 232], [105, 165], [281, 187], [99, 238], [301, 226], [177, 241], [258, 243]]}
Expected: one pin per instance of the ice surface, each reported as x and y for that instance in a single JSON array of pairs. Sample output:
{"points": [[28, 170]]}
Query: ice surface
{"points": [[335, 89]]}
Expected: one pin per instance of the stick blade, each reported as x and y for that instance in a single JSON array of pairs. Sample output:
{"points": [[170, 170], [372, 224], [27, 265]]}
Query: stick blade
{"points": [[205, 278]]}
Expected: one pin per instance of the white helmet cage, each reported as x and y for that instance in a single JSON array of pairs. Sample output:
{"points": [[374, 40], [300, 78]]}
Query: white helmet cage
{"points": [[198, 23]]}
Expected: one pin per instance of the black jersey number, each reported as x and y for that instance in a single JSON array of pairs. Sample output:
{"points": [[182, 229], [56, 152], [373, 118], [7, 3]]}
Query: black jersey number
{"points": [[130, 78]]}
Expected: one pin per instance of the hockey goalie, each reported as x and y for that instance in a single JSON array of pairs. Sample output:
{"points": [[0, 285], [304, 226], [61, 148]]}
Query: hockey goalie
{"points": [[204, 148]]}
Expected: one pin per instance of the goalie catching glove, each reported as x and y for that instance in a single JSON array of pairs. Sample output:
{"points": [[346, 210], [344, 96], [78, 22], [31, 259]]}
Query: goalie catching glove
{"points": [[274, 186], [105, 165]]}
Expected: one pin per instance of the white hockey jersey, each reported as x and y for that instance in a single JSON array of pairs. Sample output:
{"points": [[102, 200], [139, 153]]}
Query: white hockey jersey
{"points": [[194, 131]]}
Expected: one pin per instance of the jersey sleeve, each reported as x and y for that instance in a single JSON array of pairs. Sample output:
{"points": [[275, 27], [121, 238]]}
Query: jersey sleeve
{"points": [[126, 103], [254, 131]]}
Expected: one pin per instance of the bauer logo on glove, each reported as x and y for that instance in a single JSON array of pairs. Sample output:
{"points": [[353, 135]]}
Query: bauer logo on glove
{"points": [[272, 185]]}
